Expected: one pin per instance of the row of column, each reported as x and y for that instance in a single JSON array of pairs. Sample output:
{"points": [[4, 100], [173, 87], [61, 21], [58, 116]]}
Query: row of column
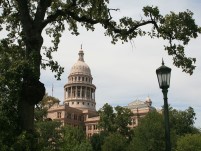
{"points": [[80, 79], [80, 92]]}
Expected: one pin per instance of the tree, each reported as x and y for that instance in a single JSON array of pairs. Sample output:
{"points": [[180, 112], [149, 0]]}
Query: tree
{"points": [[97, 140], [114, 142], [48, 132], [27, 19], [48, 135], [114, 125], [53, 136], [107, 116], [42, 107], [115, 121], [150, 134], [122, 120], [74, 139], [10, 82], [151, 130], [183, 121], [189, 142]]}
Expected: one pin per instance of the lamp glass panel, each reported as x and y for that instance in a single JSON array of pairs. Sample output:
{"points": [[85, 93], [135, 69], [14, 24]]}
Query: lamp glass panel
{"points": [[168, 79], [159, 79], [164, 82]]}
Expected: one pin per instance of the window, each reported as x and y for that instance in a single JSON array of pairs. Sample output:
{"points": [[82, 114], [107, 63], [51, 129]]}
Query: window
{"points": [[83, 92], [95, 127], [69, 116], [89, 127], [88, 93], [75, 116], [134, 121], [79, 118], [72, 102], [78, 102], [78, 92], [83, 103], [58, 114], [73, 92]]}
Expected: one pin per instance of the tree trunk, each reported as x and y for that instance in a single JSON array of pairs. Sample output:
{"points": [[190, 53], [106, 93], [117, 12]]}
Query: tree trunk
{"points": [[32, 92], [26, 115], [32, 89]]}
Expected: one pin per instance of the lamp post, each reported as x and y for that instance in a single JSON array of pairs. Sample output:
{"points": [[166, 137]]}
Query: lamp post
{"points": [[163, 75]]}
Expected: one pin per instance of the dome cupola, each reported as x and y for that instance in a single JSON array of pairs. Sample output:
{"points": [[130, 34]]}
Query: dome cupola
{"points": [[148, 101]]}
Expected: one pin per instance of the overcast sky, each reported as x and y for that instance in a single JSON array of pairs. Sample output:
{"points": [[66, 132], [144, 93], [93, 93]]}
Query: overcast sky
{"points": [[125, 72]]}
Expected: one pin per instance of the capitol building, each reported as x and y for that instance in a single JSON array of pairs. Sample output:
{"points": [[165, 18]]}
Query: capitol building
{"points": [[79, 107]]}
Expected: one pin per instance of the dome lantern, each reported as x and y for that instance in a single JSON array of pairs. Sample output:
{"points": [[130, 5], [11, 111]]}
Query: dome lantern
{"points": [[81, 55]]}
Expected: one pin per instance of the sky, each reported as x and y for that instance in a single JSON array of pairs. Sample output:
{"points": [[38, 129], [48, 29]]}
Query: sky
{"points": [[125, 72]]}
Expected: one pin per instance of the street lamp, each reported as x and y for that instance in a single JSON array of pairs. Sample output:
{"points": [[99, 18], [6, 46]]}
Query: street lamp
{"points": [[163, 75]]}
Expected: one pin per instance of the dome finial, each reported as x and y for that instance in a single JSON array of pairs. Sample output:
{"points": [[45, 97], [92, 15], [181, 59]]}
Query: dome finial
{"points": [[81, 54]]}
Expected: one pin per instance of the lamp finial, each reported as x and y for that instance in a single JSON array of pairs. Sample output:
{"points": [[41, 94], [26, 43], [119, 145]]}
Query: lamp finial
{"points": [[162, 62]]}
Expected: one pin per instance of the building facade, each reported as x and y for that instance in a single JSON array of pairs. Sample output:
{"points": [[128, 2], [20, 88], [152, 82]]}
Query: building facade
{"points": [[79, 107]]}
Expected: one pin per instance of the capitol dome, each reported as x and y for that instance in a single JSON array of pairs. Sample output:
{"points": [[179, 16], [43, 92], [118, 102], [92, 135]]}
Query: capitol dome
{"points": [[80, 67], [79, 92]]}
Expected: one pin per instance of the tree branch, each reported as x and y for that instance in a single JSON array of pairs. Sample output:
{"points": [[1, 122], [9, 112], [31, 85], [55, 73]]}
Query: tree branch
{"points": [[25, 17], [155, 24], [40, 12], [66, 13], [142, 24], [105, 22]]}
